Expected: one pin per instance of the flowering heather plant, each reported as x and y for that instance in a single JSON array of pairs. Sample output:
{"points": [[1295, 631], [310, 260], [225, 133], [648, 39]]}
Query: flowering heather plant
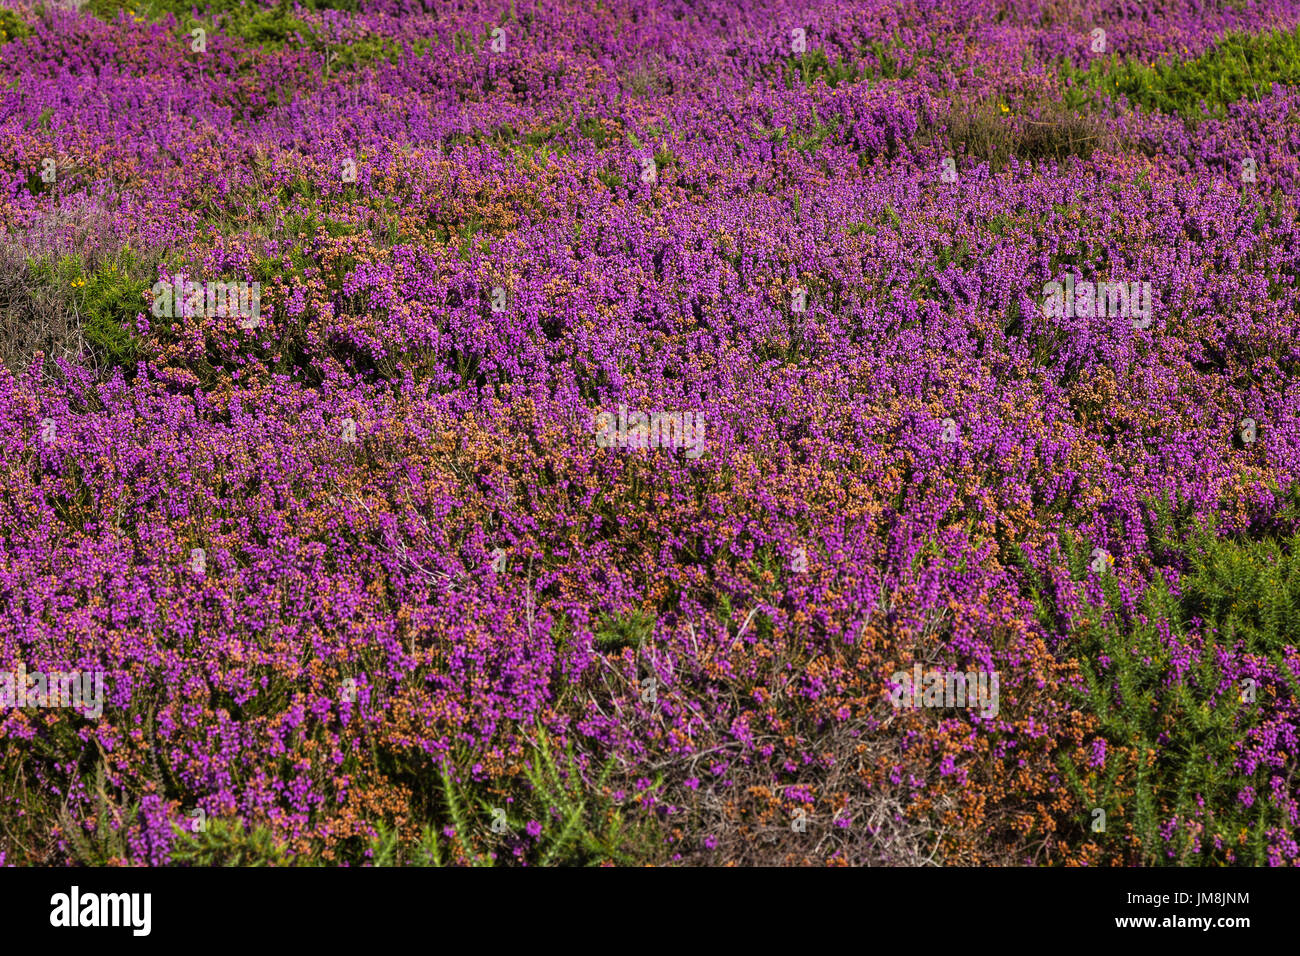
{"points": [[542, 433]]}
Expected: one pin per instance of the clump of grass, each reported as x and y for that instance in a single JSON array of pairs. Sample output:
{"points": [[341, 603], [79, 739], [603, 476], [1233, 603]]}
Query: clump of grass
{"points": [[1043, 129]]}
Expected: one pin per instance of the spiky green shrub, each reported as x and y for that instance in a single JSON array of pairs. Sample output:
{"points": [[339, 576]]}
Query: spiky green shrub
{"points": [[560, 814], [616, 631], [1237, 66], [1187, 686], [227, 843], [110, 298], [12, 26]]}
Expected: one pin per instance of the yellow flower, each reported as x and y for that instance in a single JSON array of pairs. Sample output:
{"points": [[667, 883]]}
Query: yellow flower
{"points": [[1004, 107]]}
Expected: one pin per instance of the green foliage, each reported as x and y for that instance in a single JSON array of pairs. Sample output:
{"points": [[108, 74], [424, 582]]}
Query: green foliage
{"points": [[351, 6], [12, 26], [1000, 224], [818, 134], [581, 823], [611, 180], [593, 129], [99, 296], [1238, 65], [263, 25], [463, 41], [105, 844], [1249, 590], [226, 843], [891, 66], [1173, 722], [387, 850], [110, 299], [813, 66], [275, 27], [110, 9], [617, 631], [664, 157]]}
